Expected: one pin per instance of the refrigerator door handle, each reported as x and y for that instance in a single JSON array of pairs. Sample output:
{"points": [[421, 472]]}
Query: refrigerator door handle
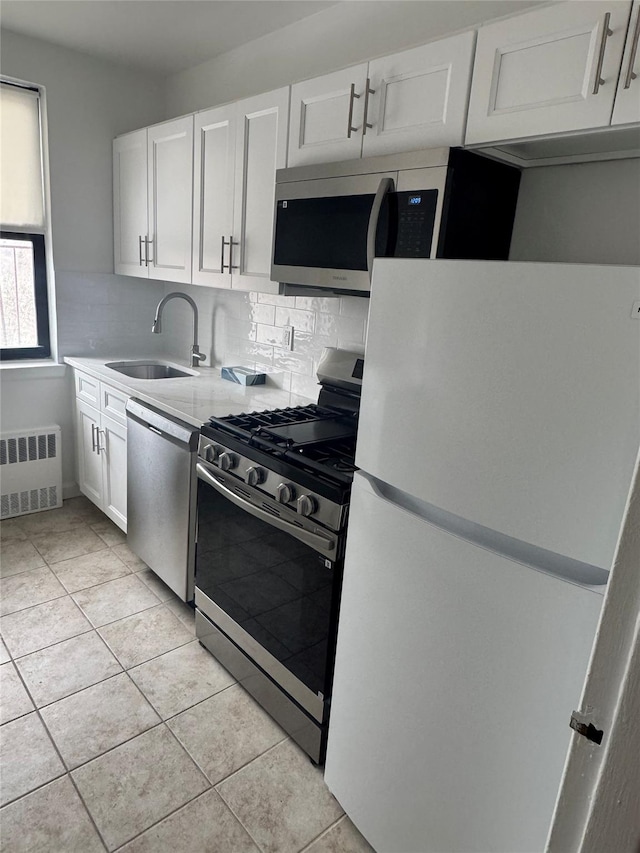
{"points": [[540, 559]]}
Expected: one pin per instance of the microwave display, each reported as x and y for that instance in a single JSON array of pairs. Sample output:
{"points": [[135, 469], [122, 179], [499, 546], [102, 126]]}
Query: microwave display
{"points": [[415, 215]]}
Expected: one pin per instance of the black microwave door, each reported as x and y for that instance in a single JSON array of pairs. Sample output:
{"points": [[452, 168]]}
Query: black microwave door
{"points": [[323, 233]]}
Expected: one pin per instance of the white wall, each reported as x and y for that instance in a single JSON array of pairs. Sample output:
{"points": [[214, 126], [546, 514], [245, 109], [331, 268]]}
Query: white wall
{"points": [[89, 102], [583, 213], [339, 36]]}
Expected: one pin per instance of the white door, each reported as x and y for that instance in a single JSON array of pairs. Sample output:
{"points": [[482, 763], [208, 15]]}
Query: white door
{"points": [[89, 461], [261, 148], [170, 179], [627, 105], [419, 97], [213, 179], [113, 450], [130, 226], [326, 117], [551, 70], [457, 670]]}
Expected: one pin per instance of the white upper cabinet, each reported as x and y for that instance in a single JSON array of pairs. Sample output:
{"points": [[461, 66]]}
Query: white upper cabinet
{"points": [[549, 71], [326, 117], [213, 186], [418, 98], [261, 148], [627, 106], [130, 224], [170, 188]]}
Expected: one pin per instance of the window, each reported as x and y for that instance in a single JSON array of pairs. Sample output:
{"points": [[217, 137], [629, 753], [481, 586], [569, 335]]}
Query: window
{"points": [[24, 309]]}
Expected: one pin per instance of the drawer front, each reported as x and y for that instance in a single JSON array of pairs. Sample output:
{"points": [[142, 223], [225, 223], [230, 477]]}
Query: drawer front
{"points": [[87, 388], [113, 403]]}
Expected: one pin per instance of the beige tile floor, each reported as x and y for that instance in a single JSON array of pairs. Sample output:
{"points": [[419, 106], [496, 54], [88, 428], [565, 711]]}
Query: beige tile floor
{"points": [[118, 731]]}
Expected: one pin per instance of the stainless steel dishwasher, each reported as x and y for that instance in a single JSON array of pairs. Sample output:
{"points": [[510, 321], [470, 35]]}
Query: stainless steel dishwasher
{"points": [[161, 494]]}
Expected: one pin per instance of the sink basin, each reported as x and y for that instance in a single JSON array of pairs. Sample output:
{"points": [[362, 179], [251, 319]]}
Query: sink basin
{"points": [[150, 369]]}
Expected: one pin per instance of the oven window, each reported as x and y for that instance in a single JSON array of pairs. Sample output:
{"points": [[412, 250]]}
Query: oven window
{"points": [[276, 588]]}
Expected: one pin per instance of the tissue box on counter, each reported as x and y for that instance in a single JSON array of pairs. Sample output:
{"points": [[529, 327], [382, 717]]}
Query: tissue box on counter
{"points": [[242, 375]]}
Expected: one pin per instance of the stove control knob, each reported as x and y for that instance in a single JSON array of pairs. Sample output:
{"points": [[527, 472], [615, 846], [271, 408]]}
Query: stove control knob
{"points": [[254, 476], [227, 461], [285, 493], [211, 453], [307, 505]]}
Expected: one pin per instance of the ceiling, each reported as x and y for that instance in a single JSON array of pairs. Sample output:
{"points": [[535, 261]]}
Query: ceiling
{"points": [[159, 36]]}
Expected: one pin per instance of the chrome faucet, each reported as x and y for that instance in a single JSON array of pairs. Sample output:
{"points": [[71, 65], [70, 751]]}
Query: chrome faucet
{"points": [[195, 354]]}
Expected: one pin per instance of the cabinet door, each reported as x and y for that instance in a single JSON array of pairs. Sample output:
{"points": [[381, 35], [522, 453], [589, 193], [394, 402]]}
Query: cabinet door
{"points": [[322, 112], [130, 227], [113, 451], [419, 97], [214, 157], [627, 105], [170, 179], [261, 148], [89, 461], [548, 71]]}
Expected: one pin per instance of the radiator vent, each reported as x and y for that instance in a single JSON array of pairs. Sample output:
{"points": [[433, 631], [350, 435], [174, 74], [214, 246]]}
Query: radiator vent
{"points": [[30, 471]]}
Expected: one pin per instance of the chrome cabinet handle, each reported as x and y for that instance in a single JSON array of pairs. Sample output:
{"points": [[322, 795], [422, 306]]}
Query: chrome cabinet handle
{"points": [[606, 32], [352, 96], [147, 259], [232, 243], [140, 249], [368, 91], [315, 540], [99, 447], [631, 75], [93, 438], [385, 186], [222, 263]]}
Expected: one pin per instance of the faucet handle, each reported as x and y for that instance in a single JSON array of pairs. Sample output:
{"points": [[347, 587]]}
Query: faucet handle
{"points": [[196, 356]]}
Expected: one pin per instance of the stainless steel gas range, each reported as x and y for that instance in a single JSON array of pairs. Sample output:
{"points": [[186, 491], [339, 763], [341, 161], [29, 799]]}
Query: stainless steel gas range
{"points": [[273, 498]]}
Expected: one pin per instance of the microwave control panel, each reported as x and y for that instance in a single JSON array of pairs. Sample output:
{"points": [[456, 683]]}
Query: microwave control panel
{"points": [[416, 213]]}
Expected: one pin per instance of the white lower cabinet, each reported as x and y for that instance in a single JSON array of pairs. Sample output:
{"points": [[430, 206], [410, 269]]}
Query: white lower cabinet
{"points": [[101, 445]]}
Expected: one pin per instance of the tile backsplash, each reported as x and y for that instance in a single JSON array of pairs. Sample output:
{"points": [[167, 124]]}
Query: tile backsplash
{"points": [[238, 328]]}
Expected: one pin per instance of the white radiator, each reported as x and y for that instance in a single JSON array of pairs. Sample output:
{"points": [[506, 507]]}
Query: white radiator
{"points": [[30, 471]]}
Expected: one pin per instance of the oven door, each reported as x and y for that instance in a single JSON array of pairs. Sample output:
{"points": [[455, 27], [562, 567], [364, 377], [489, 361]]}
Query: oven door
{"points": [[270, 580]]}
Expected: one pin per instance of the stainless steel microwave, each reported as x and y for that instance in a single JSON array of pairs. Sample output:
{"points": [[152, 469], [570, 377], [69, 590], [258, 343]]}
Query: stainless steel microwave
{"points": [[332, 220]]}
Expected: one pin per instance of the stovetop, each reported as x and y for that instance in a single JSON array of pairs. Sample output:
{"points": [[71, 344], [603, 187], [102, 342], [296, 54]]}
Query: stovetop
{"points": [[317, 440]]}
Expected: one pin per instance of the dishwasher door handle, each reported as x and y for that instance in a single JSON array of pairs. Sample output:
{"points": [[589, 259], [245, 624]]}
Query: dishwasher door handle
{"points": [[320, 543]]}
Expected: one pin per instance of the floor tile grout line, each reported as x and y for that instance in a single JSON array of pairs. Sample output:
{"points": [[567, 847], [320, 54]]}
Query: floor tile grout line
{"points": [[51, 645], [29, 606], [86, 686], [237, 817], [209, 790], [62, 761], [324, 832], [120, 618], [273, 746]]}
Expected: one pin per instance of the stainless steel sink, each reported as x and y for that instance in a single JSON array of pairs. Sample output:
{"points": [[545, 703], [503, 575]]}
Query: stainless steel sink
{"points": [[150, 369]]}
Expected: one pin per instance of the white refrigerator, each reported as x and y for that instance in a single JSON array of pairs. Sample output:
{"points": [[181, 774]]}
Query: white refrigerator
{"points": [[499, 425]]}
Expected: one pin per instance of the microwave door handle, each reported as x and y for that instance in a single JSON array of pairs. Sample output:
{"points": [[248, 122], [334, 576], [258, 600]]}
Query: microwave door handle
{"points": [[385, 186], [316, 541]]}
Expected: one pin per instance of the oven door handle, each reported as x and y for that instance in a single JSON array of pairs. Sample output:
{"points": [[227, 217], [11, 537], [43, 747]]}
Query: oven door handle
{"points": [[320, 543]]}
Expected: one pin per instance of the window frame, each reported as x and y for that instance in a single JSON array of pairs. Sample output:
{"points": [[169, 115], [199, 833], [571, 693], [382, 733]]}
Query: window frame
{"points": [[40, 241], [41, 296]]}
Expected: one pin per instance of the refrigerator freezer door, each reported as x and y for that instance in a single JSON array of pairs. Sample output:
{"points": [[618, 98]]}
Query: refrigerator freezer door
{"points": [[456, 674], [507, 394]]}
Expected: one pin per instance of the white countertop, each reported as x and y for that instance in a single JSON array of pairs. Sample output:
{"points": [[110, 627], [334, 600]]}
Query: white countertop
{"points": [[193, 399]]}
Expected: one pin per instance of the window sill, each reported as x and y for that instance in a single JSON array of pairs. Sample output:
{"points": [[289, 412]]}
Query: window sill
{"points": [[35, 369]]}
